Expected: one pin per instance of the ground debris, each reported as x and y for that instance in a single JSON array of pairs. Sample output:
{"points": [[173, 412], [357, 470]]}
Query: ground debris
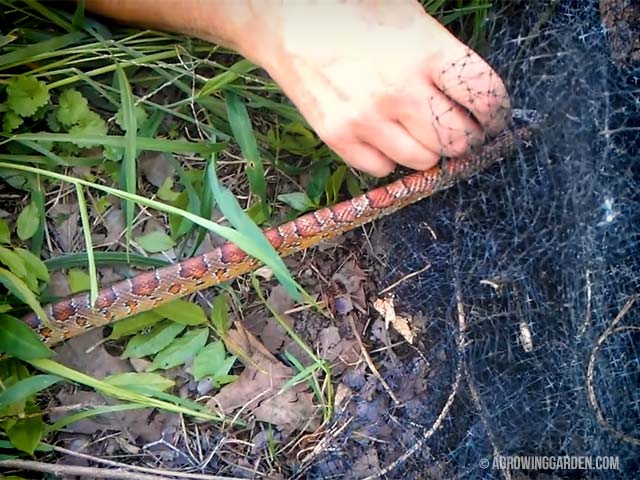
{"points": [[259, 389]]}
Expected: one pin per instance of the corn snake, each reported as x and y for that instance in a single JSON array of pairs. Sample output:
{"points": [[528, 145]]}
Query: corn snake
{"points": [[142, 292]]}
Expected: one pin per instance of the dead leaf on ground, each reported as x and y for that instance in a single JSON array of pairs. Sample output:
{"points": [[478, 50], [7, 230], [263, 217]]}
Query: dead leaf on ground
{"points": [[66, 224], [257, 389], [155, 167], [273, 335], [85, 353], [114, 222], [368, 464], [58, 285], [387, 310], [340, 351], [139, 426], [349, 280], [350, 276]]}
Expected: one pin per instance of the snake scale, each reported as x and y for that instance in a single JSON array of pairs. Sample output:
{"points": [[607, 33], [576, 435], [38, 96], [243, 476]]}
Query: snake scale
{"points": [[74, 315]]}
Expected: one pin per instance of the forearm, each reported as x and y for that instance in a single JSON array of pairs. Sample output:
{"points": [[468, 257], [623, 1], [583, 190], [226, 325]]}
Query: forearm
{"points": [[225, 22]]}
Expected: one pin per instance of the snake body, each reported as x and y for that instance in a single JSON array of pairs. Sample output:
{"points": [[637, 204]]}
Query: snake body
{"points": [[145, 291]]}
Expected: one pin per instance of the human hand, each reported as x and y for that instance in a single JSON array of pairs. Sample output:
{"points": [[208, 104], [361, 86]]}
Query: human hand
{"points": [[382, 83]]}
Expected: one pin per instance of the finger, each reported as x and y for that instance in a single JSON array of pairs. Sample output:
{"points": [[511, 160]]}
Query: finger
{"points": [[467, 79], [436, 121], [393, 140], [366, 158]]}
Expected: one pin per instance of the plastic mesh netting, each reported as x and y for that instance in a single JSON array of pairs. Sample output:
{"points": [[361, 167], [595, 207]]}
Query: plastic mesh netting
{"points": [[531, 337]]}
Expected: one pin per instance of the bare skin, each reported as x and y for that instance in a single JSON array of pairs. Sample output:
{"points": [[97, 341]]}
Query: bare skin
{"points": [[381, 82]]}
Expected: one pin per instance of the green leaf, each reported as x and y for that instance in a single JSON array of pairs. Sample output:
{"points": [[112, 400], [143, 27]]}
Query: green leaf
{"points": [[153, 381], [11, 121], [297, 200], [114, 154], [297, 139], [134, 324], [353, 184], [219, 315], [27, 433], [5, 233], [18, 288], [212, 361], [79, 281], [26, 388], [181, 350], [89, 125], [165, 191], [319, 178], [13, 261], [28, 221], [155, 242], [26, 94], [20, 341], [140, 114], [334, 184], [161, 335], [72, 107], [238, 219], [183, 312], [33, 263]]}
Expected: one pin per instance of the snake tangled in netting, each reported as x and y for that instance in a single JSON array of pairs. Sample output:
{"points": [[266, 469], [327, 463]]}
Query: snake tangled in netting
{"points": [[143, 292]]}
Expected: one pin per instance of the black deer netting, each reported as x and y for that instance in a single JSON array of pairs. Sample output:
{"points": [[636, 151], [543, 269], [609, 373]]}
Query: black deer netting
{"points": [[531, 337]]}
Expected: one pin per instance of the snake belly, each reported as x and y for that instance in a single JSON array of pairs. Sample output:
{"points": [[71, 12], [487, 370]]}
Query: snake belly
{"points": [[145, 291]]}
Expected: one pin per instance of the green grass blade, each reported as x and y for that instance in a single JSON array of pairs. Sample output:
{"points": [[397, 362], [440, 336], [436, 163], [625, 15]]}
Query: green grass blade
{"points": [[27, 387], [93, 412], [86, 230], [38, 199], [243, 133], [150, 144], [221, 80], [75, 260], [117, 392], [26, 54], [241, 221], [128, 177], [49, 15]]}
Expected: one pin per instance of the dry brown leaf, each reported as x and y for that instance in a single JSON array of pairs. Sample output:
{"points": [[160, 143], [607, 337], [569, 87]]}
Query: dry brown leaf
{"points": [[114, 222], [66, 224], [86, 353], [387, 310], [328, 338], [264, 272], [138, 425], [350, 276], [342, 397], [273, 335], [58, 285], [368, 464], [155, 167], [257, 390]]}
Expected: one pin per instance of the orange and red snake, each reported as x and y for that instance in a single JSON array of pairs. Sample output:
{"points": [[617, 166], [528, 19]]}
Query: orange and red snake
{"points": [[75, 315]]}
